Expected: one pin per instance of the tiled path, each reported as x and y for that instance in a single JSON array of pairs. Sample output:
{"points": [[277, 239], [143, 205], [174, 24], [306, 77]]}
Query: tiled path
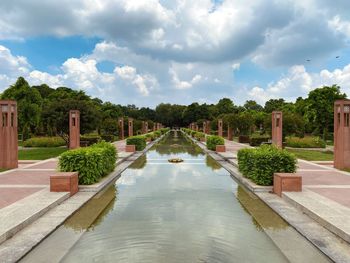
{"points": [[321, 179]]}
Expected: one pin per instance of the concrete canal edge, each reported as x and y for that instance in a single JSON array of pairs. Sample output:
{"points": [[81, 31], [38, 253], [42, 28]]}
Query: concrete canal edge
{"points": [[335, 248], [14, 249]]}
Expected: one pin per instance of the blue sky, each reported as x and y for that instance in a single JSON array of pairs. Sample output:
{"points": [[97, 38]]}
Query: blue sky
{"points": [[147, 52]]}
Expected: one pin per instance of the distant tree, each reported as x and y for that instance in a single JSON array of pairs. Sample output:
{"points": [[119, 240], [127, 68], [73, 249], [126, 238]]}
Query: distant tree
{"points": [[225, 106], [274, 105], [253, 105], [293, 124], [320, 108], [29, 103]]}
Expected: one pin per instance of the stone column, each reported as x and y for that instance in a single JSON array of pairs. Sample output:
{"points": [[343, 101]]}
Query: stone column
{"points": [[131, 127], [277, 128], [74, 129], [121, 128], [342, 134], [220, 133], [8, 134], [229, 133]]}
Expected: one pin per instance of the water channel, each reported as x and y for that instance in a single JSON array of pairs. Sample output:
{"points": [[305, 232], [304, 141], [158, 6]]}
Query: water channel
{"points": [[186, 212]]}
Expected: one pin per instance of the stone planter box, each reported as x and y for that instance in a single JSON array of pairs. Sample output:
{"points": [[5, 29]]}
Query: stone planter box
{"points": [[130, 148], [220, 148], [286, 182], [64, 182]]}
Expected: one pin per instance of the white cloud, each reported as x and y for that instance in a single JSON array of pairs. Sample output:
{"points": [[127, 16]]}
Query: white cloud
{"points": [[299, 82]]}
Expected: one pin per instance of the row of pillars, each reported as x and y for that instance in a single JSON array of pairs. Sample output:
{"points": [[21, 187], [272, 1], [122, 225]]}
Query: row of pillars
{"points": [[145, 129]]}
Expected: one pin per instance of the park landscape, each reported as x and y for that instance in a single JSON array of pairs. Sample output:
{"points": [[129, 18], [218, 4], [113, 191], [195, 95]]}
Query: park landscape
{"points": [[192, 131]]}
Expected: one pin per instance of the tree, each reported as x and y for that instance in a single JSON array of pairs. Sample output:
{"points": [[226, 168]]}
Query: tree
{"points": [[320, 108], [274, 105], [29, 104], [225, 106], [253, 105]]}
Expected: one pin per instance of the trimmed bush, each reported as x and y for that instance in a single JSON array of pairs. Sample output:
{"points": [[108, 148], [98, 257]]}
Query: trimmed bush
{"points": [[90, 139], [164, 130], [92, 163], [214, 140], [259, 164], [139, 142], [157, 134], [258, 140], [244, 139], [192, 133], [108, 137], [199, 135], [44, 142], [306, 142], [150, 135]]}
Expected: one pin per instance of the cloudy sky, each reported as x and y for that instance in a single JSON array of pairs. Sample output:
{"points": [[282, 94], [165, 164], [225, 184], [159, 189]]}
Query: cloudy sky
{"points": [[145, 52]]}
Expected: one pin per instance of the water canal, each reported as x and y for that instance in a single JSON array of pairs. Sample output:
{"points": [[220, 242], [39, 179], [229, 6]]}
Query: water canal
{"points": [[187, 212]]}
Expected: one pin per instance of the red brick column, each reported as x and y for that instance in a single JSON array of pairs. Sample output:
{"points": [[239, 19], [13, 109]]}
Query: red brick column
{"points": [[229, 133], [277, 128], [205, 127], [121, 128], [208, 127], [74, 129], [131, 127], [342, 134], [220, 127], [8, 134]]}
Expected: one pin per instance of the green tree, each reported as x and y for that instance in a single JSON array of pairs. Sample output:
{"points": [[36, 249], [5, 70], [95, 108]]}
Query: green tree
{"points": [[320, 108], [253, 105], [225, 106], [274, 105]]}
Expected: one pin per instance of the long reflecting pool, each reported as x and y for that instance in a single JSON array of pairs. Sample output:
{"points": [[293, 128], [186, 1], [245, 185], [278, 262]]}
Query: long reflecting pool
{"points": [[187, 212]]}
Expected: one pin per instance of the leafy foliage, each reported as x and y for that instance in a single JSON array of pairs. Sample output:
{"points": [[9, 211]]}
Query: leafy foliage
{"points": [[260, 164], [257, 140], [138, 141], [44, 142], [92, 162], [214, 140], [306, 142]]}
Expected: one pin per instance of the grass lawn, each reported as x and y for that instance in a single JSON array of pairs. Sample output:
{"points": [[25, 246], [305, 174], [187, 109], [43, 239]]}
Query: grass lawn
{"points": [[40, 153], [2, 170], [312, 155]]}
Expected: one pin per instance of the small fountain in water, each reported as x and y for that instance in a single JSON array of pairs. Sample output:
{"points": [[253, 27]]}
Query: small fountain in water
{"points": [[175, 160]]}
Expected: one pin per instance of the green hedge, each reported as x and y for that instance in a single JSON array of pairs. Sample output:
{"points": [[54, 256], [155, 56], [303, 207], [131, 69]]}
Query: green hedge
{"points": [[258, 140], [214, 140], [259, 164], [109, 137], [199, 135], [164, 130], [150, 135], [306, 142], [44, 142], [139, 142], [92, 162]]}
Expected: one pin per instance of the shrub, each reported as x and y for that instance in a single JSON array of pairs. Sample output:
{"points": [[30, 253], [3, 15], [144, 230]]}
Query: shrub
{"points": [[150, 135], [199, 135], [193, 133], [157, 134], [261, 163], [214, 140], [258, 140], [306, 142], [90, 139], [244, 139], [164, 130], [92, 163], [44, 142], [139, 142]]}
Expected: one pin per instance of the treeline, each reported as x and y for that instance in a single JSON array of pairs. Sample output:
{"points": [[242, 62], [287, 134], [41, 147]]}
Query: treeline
{"points": [[44, 111]]}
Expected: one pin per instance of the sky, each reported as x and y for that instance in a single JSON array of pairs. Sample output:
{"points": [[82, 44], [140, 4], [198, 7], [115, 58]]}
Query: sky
{"points": [[145, 52]]}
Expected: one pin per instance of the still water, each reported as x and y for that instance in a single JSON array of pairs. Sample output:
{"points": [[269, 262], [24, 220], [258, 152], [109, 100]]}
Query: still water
{"points": [[187, 212]]}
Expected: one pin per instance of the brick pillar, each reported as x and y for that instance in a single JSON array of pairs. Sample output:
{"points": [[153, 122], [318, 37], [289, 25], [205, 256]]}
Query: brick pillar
{"points": [[143, 130], [229, 133], [146, 127], [131, 127], [154, 126], [197, 128], [121, 128], [74, 129], [208, 127], [277, 127], [342, 134], [220, 133], [158, 126], [205, 127], [8, 134]]}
